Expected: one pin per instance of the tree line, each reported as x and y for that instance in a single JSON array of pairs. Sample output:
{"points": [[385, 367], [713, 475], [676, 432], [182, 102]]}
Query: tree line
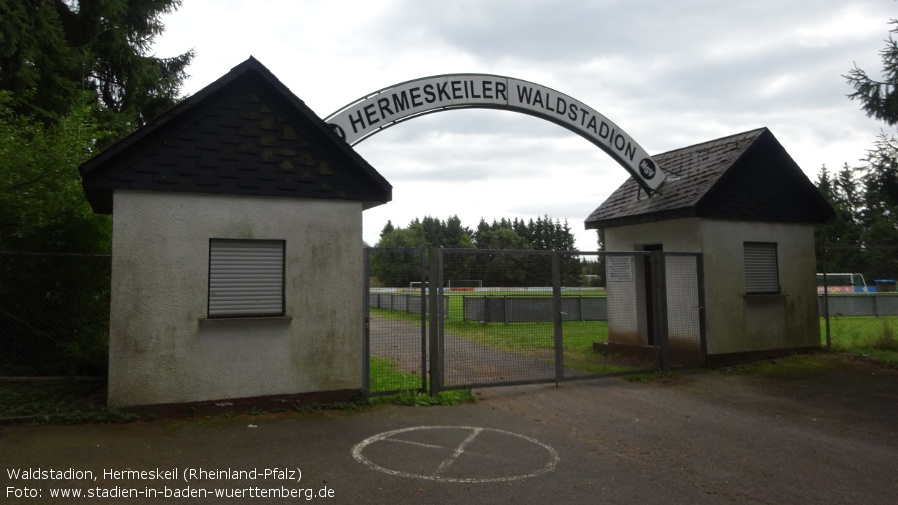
{"points": [[863, 238], [492, 269]]}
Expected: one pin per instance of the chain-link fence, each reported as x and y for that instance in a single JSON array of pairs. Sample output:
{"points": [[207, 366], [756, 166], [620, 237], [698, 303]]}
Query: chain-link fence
{"points": [[858, 301], [395, 328], [54, 314], [515, 317], [542, 316], [685, 301], [500, 330]]}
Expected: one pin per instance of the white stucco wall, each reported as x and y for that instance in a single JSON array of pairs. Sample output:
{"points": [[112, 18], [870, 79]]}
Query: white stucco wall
{"points": [[163, 349], [677, 235], [736, 322]]}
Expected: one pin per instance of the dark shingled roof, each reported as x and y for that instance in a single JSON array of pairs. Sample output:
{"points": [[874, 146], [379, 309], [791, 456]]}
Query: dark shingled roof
{"points": [[746, 177], [244, 134]]}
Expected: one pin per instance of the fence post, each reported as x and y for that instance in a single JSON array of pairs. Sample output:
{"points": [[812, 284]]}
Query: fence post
{"points": [[559, 329], [366, 332], [702, 328], [826, 298], [436, 320], [659, 297], [423, 303]]}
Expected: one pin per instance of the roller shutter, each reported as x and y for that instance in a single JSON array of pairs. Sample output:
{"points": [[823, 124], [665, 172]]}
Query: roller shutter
{"points": [[761, 271], [246, 278]]}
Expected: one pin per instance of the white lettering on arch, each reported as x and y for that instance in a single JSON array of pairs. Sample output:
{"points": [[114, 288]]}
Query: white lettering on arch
{"points": [[389, 106]]}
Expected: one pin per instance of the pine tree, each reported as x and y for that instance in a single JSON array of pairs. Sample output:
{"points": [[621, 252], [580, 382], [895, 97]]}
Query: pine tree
{"points": [[387, 229], [879, 214], [878, 195], [879, 99], [455, 235], [51, 51]]}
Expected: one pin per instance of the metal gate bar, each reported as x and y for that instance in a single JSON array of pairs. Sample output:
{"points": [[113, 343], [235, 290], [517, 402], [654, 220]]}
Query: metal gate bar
{"points": [[394, 338], [530, 319], [465, 355]]}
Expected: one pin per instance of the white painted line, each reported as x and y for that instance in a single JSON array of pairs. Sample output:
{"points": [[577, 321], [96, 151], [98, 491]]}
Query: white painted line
{"points": [[419, 444], [458, 451], [552, 455]]}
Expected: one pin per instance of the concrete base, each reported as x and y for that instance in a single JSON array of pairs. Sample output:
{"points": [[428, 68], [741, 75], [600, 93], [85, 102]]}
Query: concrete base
{"points": [[693, 358], [678, 356], [241, 405], [736, 358]]}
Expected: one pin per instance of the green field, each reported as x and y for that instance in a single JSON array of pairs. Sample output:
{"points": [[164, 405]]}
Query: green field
{"points": [[456, 300], [537, 340], [869, 336], [566, 293]]}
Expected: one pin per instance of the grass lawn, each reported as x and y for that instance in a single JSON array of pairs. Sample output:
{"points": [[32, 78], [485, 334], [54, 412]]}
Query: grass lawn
{"points": [[385, 377], [872, 337], [537, 340], [578, 335], [869, 336]]}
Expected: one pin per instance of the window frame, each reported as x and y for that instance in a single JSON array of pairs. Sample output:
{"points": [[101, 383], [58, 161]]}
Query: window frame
{"points": [[247, 312], [760, 264]]}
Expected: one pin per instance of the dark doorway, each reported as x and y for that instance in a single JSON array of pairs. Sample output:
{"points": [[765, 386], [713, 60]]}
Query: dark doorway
{"points": [[649, 289]]}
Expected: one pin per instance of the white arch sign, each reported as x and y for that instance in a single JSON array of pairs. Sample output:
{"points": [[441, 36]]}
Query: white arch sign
{"points": [[389, 106]]}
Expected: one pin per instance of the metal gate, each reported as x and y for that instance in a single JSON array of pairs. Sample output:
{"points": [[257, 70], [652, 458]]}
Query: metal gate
{"points": [[395, 339], [500, 317]]}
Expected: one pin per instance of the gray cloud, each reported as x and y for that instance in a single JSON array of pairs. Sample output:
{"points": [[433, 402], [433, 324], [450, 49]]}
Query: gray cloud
{"points": [[670, 73]]}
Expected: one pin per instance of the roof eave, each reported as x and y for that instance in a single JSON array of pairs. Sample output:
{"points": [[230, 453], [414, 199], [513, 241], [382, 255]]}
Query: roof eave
{"points": [[650, 217]]}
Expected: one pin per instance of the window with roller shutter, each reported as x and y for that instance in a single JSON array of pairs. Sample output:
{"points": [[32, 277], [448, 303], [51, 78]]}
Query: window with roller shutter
{"points": [[246, 278], [761, 268]]}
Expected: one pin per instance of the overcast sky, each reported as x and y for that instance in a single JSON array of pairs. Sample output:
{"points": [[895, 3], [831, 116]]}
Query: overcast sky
{"points": [[670, 73]]}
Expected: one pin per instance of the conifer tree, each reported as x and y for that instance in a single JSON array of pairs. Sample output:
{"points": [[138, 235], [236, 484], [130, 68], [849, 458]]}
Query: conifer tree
{"points": [[879, 173], [879, 98], [52, 51]]}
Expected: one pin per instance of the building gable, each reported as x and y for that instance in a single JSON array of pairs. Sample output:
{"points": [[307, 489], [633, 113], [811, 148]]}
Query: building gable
{"points": [[748, 176], [245, 134], [765, 184]]}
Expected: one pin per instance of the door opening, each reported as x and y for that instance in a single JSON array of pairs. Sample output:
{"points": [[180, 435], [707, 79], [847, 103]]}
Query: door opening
{"points": [[649, 290]]}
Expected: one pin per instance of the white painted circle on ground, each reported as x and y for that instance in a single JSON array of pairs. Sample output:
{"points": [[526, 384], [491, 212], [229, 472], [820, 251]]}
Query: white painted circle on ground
{"points": [[429, 456]]}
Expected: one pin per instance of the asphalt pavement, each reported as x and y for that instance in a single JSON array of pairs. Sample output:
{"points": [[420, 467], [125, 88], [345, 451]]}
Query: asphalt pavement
{"points": [[698, 437]]}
